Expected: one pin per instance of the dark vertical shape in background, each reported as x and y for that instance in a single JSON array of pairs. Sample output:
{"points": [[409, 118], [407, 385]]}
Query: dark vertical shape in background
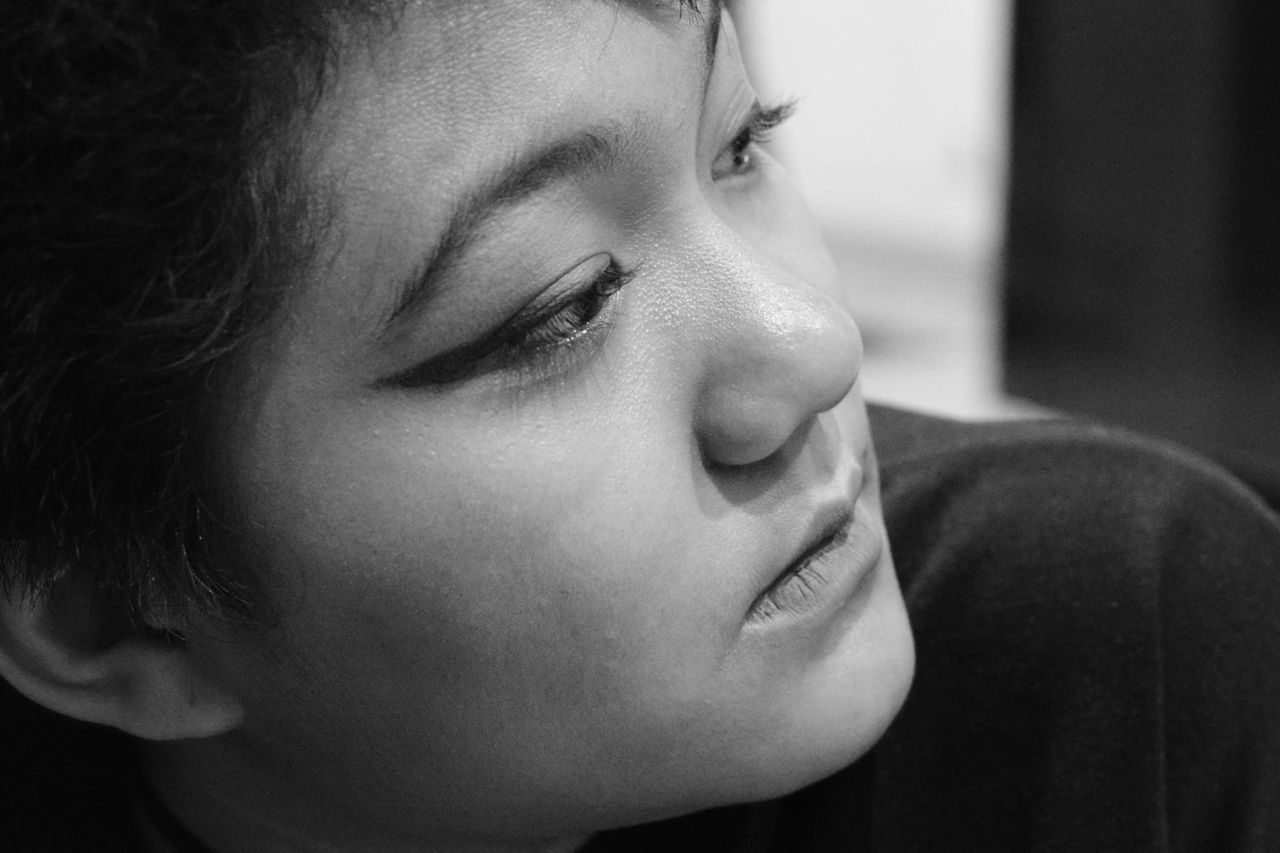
{"points": [[1142, 282], [1254, 100]]}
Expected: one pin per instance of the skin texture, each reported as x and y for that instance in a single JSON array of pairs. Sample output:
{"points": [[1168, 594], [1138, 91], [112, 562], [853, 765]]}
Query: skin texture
{"points": [[516, 605]]}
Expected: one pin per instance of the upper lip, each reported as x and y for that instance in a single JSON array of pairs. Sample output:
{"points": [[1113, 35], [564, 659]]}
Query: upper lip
{"points": [[825, 522], [826, 526]]}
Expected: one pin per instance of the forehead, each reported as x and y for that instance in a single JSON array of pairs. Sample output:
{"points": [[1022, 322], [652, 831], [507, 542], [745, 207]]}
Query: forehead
{"points": [[456, 68], [415, 114], [447, 68]]}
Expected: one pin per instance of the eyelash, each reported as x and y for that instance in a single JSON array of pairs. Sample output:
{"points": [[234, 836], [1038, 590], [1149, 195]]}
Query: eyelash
{"points": [[528, 346], [575, 316], [757, 131]]}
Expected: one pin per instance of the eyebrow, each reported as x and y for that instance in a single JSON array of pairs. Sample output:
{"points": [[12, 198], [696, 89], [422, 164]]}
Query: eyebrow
{"points": [[588, 151], [711, 38], [592, 150], [710, 33]]}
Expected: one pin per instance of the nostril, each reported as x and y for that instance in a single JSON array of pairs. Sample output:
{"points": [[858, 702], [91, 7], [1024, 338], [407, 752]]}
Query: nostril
{"points": [[746, 443]]}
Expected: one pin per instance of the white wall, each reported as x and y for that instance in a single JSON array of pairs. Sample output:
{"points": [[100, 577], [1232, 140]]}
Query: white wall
{"points": [[901, 135]]}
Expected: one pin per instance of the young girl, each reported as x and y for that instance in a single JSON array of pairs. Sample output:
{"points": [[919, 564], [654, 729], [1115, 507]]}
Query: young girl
{"points": [[433, 429]]}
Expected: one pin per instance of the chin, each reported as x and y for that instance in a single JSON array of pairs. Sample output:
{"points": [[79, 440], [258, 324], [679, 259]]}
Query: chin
{"points": [[833, 715], [848, 702]]}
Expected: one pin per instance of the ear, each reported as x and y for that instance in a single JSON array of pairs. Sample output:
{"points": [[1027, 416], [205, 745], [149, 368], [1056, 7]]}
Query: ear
{"points": [[73, 653]]}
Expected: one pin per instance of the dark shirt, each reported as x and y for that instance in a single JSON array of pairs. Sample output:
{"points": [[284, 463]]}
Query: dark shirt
{"points": [[1097, 620]]}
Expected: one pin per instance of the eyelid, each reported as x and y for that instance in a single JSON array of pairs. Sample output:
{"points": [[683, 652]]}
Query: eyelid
{"points": [[612, 276], [765, 119], [756, 129], [461, 362]]}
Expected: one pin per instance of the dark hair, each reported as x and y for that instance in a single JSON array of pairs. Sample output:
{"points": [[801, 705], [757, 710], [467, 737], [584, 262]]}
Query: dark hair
{"points": [[150, 215]]}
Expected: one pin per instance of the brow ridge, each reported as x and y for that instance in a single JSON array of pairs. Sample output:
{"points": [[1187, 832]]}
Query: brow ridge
{"points": [[593, 150]]}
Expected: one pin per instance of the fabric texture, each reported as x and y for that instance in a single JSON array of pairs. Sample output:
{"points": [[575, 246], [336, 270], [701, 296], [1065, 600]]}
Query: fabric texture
{"points": [[1097, 620]]}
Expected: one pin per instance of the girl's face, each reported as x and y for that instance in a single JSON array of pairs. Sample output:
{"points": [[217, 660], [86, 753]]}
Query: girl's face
{"points": [[530, 456]]}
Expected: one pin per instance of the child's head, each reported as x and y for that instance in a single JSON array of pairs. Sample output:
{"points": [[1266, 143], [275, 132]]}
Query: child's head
{"points": [[499, 366]]}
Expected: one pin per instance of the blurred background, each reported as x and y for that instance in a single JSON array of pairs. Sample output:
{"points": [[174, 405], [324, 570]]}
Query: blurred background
{"points": [[1042, 206]]}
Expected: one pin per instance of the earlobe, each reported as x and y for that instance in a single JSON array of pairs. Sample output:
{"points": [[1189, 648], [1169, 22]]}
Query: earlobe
{"points": [[147, 685]]}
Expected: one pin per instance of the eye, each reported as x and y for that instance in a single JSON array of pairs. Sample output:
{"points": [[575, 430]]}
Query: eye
{"points": [[537, 335], [739, 157], [569, 318]]}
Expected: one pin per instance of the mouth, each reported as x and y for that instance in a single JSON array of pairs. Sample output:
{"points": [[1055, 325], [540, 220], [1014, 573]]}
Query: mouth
{"points": [[844, 548], [804, 578]]}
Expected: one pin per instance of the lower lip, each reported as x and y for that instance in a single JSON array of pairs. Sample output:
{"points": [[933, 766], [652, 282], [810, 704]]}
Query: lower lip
{"points": [[823, 583]]}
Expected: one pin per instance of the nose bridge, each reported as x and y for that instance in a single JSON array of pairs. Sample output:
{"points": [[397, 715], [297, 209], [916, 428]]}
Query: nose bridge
{"points": [[779, 353]]}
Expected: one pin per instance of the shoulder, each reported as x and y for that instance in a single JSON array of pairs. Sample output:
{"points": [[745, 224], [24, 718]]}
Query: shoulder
{"points": [[1067, 485], [987, 517], [911, 444], [1088, 605]]}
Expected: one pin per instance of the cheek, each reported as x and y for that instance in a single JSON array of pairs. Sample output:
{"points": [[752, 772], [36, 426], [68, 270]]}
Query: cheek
{"points": [[535, 558], [498, 603], [775, 219]]}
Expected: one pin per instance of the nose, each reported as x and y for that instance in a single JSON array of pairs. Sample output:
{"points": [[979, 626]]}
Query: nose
{"points": [[782, 355]]}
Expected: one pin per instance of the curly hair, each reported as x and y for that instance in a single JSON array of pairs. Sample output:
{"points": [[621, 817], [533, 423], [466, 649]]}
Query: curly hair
{"points": [[151, 214]]}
